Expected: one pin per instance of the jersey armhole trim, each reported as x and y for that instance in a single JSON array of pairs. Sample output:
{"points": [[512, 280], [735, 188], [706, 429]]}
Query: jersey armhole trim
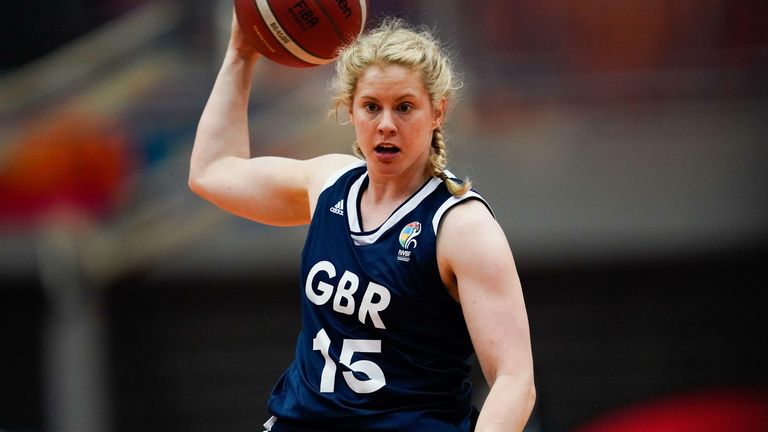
{"points": [[453, 201], [269, 423], [336, 175]]}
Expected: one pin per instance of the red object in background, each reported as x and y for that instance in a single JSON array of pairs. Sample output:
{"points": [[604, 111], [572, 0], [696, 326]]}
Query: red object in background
{"points": [[72, 162], [710, 411]]}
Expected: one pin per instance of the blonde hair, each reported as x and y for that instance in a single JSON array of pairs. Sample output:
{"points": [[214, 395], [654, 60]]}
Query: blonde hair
{"points": [[393, 42]]}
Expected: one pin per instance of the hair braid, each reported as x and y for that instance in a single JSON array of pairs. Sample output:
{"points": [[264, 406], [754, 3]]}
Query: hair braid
{"points": [[437, 162], [438, 158]]}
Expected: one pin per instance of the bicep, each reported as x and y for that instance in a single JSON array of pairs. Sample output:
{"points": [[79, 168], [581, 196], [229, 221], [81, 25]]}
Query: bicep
{"points": [[271, 190], [475, 251]]}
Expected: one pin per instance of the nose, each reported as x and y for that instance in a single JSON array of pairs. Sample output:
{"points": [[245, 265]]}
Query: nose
{"points": [[387, 125]]}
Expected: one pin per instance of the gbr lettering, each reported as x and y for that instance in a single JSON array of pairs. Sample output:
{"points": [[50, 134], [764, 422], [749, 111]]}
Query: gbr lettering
{"points": [[319, 290]]}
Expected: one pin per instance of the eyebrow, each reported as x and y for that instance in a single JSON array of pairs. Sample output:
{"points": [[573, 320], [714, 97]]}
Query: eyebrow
{"points": [[405, 95]]}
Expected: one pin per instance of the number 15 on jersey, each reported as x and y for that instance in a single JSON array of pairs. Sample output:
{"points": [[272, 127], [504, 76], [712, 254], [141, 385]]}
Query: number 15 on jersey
{"points": [[349, 347]]}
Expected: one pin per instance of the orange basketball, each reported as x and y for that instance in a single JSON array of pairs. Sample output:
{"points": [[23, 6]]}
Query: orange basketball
{"points": [[301, 33]]}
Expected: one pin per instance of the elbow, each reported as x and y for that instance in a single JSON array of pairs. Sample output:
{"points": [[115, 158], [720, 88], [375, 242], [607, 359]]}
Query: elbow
{"points": [[196, 178], [194, 184]]}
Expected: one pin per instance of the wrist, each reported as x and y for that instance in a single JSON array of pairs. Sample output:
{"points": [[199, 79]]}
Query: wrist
{"points": [[242, 54]]}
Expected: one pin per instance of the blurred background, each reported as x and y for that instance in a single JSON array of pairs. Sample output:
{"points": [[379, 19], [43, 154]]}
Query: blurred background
{"points": [[623, 145]]}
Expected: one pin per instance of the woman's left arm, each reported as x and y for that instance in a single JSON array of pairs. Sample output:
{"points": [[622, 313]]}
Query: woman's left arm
{"points": [[477, 265]]}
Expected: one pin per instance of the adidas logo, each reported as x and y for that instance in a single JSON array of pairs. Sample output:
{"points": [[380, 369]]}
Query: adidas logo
{"points": [[338, 208]]}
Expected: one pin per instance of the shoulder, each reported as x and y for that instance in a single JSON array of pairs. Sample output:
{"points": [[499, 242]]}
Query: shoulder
{"points": [[321, 167], [337, 167], [470, 242], [469, 233], [465, 214], [465, 205], [323, 171]]}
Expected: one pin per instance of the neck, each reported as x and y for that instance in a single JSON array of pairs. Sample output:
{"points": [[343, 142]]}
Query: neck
{"points": [[384, 195], [384, 189]]}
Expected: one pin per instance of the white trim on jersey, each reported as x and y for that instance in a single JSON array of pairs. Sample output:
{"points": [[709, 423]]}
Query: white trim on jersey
{"points": [[269, 423], [335, 176], [450, 202], [353, 221], [394, 218]]}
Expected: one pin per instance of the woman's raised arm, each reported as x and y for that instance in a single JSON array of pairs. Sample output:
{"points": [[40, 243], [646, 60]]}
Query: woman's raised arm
{"points": [[270, 190]]}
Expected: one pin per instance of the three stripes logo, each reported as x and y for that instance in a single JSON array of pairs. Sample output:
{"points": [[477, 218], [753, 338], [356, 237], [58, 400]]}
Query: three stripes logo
{"points": [[338, 208]]}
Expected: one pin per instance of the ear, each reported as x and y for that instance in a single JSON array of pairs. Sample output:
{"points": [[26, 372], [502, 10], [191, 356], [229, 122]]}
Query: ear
{"points": [[438, 114]]}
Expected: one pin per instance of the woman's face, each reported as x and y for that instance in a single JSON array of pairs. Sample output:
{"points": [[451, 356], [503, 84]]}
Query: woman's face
{"points": [[394, 119]]}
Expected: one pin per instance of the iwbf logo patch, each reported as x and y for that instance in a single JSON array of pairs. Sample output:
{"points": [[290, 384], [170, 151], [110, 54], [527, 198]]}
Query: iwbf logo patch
{"points": [[408, 240], [408, 235]]}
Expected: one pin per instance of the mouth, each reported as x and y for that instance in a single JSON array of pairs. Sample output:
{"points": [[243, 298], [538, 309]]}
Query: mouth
{"points": [[386, 149]]}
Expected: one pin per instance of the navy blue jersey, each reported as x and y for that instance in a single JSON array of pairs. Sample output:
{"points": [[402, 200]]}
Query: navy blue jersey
{"points": [[383, 346]]}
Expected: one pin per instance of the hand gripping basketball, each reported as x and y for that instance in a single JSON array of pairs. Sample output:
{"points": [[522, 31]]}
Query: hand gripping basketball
{"points": [[300, 33]]}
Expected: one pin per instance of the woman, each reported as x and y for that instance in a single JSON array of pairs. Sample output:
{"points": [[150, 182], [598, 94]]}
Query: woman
{"points": [[405, 272]]}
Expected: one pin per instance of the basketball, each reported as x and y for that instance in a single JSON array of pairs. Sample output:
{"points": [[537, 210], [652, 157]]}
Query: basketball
{"points": [[300, 33]]}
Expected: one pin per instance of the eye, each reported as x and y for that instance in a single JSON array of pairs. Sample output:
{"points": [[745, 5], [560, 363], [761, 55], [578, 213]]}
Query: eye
{"points": [[370, 107], [404, 107]]}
